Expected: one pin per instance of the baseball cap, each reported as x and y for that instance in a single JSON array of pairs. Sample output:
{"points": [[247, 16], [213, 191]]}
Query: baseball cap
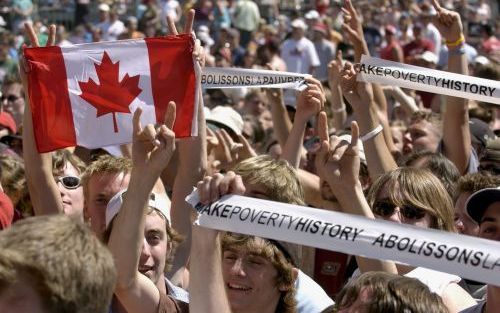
{"points": [[429, 56], [480, 200], [103, 7], [159, 202], [7, 121], [390, 29], [312, 15], [480, 132], [298, 23], [6, 211], [320, 27], [226, 117]]}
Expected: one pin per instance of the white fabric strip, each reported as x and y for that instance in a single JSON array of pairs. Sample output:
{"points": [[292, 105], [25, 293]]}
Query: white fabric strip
{"points": [[219, 77], [466, 256], [374, 70]]}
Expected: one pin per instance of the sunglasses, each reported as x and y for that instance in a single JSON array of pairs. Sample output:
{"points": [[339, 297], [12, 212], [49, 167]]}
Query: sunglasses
{"points": [[409, 212], [69, 182], [10, 98]]}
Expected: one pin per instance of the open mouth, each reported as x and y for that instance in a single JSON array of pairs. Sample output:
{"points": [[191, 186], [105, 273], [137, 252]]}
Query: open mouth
{"points": [[145, 270], [238, 287]]}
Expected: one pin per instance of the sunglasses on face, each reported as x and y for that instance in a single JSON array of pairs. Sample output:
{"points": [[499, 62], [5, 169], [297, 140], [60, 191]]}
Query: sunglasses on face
{"points": [[10, 98], [409, 212], [69, 182]]}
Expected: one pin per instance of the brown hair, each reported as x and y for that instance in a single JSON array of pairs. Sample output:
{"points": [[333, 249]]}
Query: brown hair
{"points": [[474, 182], [271, 252], [390, 293], [61, 259], [277, 177], [420, 188]]}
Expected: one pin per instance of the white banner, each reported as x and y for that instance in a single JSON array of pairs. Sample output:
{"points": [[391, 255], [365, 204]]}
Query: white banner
{"points": [[374, 70], [223, 77], [468, 257]]}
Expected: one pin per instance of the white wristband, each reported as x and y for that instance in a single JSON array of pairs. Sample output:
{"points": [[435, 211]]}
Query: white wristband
{"points": [[339, 110], [374, 132]]}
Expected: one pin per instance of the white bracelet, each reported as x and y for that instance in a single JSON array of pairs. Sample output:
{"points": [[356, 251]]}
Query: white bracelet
{"points": [[339, 110], [371, 133]]}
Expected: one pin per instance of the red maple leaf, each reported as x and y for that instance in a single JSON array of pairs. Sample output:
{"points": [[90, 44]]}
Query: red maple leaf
{"points": [[110, 95]]}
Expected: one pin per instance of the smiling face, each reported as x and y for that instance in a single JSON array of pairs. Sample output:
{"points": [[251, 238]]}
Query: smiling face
{"points": [[154, 249], [421, 136], [250, 278]]}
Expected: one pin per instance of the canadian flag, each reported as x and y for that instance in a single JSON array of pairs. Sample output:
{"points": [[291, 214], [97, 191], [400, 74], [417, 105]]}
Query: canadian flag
{"points": [[86, 94]]}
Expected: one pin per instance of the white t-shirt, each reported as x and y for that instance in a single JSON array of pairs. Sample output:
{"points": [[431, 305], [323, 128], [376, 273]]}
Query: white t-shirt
{"points": [[311, 298], [299, 55]]}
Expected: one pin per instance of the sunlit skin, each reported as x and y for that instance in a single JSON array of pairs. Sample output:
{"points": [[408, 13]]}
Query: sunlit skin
{"points": [[101, 188], [421, 136], [72, 199], [463, 222], [250, 281], [397, 217], [154, 249], [16, 107], [489, 227]]}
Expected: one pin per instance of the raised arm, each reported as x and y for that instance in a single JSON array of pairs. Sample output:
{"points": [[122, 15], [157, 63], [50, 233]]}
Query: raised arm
{"points": [[456, 135], [337, 102], [151, 151], [338, 164], [44, 193], [309, 103], [360, 96], [192, 165]]}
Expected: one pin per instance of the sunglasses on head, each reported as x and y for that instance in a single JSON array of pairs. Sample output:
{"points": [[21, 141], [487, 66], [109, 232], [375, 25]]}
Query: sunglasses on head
{"points": [[69, 182], [10, 98], [386, 208]]}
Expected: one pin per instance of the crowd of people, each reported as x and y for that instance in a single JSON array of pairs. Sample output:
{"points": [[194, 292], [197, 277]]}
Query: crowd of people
{"points": [[109, 230]]}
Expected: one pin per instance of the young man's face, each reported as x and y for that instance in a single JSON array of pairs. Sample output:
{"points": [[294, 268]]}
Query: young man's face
{"points": [[13, 101], [489, 227], [101, 188], [250, 280], [421, 136], [154, 248]]}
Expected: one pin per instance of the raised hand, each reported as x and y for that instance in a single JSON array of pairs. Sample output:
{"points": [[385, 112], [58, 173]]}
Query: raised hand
{"points": [[213, 187], [334, 69], [448, 23], [310, 101], [337, 161], [153, 147], [359, 94]]}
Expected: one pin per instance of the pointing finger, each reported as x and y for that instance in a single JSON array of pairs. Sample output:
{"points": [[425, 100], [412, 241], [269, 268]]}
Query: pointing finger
{"points": [[188, 27], [28, 28], [170, 115], [172, 30], [52, 35], [323, 127], [137, 120]]}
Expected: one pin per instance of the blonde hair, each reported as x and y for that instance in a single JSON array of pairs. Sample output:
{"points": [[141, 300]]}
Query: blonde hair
{"points": [[390, 293], [420, 188], [105, 164], [284, 280], [276, 177], [62, 260]]}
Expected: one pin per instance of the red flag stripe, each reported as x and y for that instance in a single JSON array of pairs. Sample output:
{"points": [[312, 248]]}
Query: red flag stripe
{"points": [[50, 104], [168, 62]]}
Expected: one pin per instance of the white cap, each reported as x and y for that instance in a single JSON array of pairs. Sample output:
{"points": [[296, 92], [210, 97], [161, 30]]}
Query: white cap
{"points": [[312, 15], [298, 23], [104, 7], [481, 60], [226, 116], [157, 201], [429, 56]]}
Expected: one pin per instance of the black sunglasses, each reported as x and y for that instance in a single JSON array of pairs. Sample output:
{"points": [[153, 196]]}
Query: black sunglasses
{"points": [[386, 208], [69, 182], [10, 98]]}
